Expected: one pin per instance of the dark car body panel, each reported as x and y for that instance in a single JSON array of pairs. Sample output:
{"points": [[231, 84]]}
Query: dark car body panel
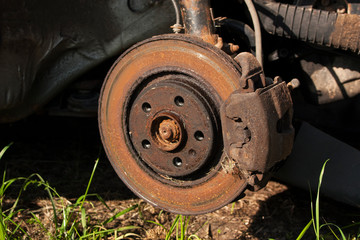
{"points": [[45, 45]]}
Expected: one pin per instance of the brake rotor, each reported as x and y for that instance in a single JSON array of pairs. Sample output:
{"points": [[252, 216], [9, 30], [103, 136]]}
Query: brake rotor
{"points": [[160, 124]]}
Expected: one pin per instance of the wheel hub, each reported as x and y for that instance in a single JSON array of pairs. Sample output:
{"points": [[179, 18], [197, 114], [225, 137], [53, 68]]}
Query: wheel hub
{"points": [[173, 126], [168, 134]]}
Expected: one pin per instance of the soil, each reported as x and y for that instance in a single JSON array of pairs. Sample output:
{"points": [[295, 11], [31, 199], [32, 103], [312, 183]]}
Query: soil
{"points": [[63, 151]]}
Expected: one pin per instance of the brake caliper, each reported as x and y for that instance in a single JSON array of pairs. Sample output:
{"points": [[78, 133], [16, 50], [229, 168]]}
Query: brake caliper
{"points": [[256, 123]]}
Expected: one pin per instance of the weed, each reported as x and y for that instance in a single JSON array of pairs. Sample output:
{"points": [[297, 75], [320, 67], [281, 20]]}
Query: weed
{"points": [[70, 220], [179, 227], [315, 216]]}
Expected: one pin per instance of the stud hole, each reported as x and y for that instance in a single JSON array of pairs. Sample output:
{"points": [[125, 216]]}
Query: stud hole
{"points": [[146, 107], [179, 101], [146, 144], [177, 162], [199, 135]]}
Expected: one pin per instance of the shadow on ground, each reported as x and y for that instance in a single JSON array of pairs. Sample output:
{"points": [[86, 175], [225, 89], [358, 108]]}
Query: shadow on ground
{"points": [[63, 151], [284, 216]]}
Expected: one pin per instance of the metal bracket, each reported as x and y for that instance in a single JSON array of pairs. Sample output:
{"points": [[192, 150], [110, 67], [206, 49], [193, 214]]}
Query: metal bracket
{"points": [[257, 127]]}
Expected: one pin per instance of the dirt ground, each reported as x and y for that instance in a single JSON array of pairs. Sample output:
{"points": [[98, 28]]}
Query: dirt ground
{"points": [[63, 151]]}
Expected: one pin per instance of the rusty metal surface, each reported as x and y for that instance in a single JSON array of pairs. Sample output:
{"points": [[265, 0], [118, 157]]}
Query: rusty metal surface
{"points": [[178, 123], [205, 78], [257, 127], [252, 74], [45, 45], [197, 19]]}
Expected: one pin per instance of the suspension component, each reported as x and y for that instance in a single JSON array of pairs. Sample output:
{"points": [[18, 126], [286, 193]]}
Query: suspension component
{"points": [[198, 20]]}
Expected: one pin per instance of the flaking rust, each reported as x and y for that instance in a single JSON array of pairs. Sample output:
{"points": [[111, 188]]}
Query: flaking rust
{"points": [[171, 107]]}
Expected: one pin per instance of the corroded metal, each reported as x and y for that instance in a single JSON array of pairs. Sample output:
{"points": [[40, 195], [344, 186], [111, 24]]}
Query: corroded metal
{"points": [[257, 127], [198, 20], [167, 132], [176, 119], [252, 74], [140, 97]]}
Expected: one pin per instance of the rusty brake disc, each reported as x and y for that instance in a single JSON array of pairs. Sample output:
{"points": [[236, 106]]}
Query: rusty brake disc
{"points": [[160, 123]]}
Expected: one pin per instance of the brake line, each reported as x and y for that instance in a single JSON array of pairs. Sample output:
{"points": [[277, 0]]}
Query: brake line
{"points": [[257, 29]]}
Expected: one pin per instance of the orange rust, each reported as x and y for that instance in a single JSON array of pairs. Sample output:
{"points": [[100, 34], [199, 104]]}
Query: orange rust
{"points": [[198, 20], [191, 4], [166, 132], [169, 131], [218, 72], [207, 36]]}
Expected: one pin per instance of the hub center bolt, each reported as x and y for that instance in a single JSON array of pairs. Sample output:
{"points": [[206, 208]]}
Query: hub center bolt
{"points": [[167, 132]]}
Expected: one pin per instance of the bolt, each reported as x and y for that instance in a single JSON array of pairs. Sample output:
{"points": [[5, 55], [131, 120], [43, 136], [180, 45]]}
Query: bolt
{"points": [[169, 131], [294, 83], [234, 48], [166, 131]]}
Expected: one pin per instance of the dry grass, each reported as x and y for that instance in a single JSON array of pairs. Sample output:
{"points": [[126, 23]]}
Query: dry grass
{"points": [[65, 156]]}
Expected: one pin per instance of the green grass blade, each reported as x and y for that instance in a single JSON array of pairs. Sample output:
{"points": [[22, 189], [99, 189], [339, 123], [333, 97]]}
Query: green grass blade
{"points": [[159, 224], [317, 203], [50, 191], [187, 223], [89, 183], [2, 152], [312, 209], [18, 227], [120, 214], [100, 199], [127, 228], [8, 183], [305, 230], [177, 228], [160, 213], [83, 220], [193, 236], [183, 228], [334, 225], [351, 225], [172, 228], [201, 227], [3, 234], [37, 220], [81, 198]]}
